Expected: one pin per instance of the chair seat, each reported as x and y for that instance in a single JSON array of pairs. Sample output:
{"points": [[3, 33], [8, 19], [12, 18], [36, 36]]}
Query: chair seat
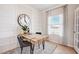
{"points": [[26, 43]]}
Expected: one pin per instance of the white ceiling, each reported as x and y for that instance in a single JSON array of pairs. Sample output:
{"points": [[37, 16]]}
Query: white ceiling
{"points": [[43, 6]]}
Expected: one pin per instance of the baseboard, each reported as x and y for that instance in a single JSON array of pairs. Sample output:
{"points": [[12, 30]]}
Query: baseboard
{"points": [[68, 45], [8, 47], [8, 43]]}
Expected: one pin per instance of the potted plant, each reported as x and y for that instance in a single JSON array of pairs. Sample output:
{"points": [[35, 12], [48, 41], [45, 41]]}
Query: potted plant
{"points": [[25, 29]]}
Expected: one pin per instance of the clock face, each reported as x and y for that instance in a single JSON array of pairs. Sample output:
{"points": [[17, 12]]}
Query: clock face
{"points": [[24, 19]]}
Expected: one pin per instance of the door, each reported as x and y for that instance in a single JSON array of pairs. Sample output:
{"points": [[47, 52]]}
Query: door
{"points": [[76, 30]]}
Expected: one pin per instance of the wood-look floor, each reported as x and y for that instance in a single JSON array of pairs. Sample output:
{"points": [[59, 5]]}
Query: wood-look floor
{"points": [[60, 49]]}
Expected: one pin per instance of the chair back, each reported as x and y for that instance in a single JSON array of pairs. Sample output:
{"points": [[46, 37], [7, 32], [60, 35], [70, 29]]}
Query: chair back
{"points": [[20, 39], [38, 33]]}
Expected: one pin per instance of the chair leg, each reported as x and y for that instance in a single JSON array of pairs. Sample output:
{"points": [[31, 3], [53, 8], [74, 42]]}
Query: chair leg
{"points": [[21, 49], [32, 49]]}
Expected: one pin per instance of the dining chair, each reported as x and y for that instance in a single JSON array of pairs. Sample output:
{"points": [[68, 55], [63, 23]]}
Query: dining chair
{"points": [[24, 43], [38, 33]]}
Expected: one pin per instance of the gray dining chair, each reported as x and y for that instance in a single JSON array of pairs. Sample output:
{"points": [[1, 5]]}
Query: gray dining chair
{"points": [[24, 43]]}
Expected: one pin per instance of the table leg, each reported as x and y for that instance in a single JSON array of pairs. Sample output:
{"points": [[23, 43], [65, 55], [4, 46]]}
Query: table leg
{"points": [[32, 48], [38, 44], [43, 43]]}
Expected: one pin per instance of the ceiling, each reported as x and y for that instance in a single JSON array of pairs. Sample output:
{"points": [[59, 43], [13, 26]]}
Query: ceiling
{"points": [[43, 6]]}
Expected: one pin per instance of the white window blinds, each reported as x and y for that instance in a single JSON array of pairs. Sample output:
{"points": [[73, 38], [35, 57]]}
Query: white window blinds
{"points": [[56, 11]]}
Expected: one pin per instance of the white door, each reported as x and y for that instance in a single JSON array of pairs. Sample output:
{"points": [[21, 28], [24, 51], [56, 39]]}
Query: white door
{"points": [[76, 30]]}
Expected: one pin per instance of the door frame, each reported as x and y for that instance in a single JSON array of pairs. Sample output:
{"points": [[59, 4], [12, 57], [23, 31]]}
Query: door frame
{"points": [[75, 29]]}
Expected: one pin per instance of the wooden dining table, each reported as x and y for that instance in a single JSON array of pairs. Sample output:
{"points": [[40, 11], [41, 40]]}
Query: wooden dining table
{"points": [[35, 39]]}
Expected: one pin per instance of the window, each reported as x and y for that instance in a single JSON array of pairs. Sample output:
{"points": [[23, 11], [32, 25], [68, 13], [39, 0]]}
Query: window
{"points": [[55, 24]]}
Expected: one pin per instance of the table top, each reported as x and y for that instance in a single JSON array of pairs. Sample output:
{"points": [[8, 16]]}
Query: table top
{"points": [[34, 38]]}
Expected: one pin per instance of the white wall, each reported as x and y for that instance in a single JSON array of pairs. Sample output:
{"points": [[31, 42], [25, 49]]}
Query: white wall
{"points": [[44, 22], [34, 15], [9, 26]]}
